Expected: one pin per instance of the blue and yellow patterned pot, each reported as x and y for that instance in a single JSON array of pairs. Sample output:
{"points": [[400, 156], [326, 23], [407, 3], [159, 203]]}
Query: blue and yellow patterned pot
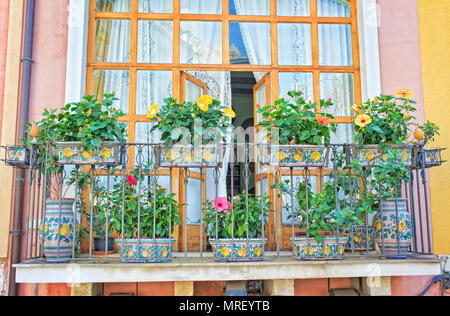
{"points": [[190, 156], [238, 249], [309, 249], [18, 156], [58, 237], [432, 157], [359, 234], [393, 238], [73, 153], [145, 250], [295, 155], [372, 155]]}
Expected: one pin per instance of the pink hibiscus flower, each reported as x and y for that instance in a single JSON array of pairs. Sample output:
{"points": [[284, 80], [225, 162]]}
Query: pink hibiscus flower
{"points": [[222, 205]]}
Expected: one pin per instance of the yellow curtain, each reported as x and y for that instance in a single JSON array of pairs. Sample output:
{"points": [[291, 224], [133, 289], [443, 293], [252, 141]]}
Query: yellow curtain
{"points": [[102, 33]]}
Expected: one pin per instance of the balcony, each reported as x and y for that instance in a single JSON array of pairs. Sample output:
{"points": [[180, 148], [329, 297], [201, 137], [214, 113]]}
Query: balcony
{"points": [[115, 196]]}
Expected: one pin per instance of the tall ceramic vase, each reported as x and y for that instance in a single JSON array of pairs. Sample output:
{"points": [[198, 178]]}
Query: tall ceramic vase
{"points": [[58, 230], [393, 235]]}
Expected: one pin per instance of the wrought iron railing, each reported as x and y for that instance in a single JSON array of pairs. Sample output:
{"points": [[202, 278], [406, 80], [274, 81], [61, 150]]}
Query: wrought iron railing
{"points": [[105, 193]]}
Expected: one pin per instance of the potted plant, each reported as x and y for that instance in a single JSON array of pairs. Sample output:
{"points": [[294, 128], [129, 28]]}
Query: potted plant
{"points": [[382, 123], [429, 157], [192, 133], [58, 231], [364, 203], [82, 133], [393, 222], [149, 216], [302, 132], [235, 226], [324, 217]]}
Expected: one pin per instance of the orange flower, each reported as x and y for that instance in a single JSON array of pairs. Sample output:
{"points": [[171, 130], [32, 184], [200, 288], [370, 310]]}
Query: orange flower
{"points": [[363, 120], [405, 93], [323, 120]]}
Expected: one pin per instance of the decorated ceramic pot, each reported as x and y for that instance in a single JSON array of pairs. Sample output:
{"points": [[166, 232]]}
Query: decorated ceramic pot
{"points": [[57, 231], [238, 249], [359, 234], [432, 157], [73, 153], [309, 249], [145, 250], [190, 156], [17, 156], [393, 237], [295, 155], [372, 155]]}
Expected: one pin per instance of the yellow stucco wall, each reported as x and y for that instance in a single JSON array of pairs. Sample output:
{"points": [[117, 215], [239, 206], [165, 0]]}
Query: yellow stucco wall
{"points": [[434, 23], [11, 95]]}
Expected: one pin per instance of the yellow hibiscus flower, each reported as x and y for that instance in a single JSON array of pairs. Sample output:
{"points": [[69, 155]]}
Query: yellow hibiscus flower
{"points": [[363, 120], [224, 251], [152, 111], [258, 252], [405, 93], [203, 102], [229, 113]]}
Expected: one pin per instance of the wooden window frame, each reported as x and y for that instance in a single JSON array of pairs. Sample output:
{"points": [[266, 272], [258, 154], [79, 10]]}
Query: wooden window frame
{"points": [[178, 68]]}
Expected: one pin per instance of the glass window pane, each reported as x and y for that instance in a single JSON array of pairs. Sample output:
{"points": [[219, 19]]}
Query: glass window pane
{"points": [[113, 6], [298, 81], [345, 134], [155, 40], [250, 43], [260, 100], [333, 8], [200, 42], [193, 92], [250, 7], [112, 41], [335, 45], [113, 81], [294, 44], [153, 86], [339, 88], [286, 197], [145, 154], [293, 8], [156, 6], [201, 6]]}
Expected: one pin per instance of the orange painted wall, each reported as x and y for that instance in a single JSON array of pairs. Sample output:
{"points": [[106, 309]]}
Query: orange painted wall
{"points": [[209, 288], [4, 18], [318, 287], [413, 286], [48, 289], [140, 289]]}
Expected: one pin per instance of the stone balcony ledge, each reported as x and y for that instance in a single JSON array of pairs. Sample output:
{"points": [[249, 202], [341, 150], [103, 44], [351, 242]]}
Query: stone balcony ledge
{"points": [[206, 269]]}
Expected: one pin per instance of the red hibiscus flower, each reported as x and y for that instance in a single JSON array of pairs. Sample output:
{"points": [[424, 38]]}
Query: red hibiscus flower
{"points": [[131, 180]]}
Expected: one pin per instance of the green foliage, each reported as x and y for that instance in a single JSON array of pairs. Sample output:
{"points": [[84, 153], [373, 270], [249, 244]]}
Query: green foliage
{"points": [[390, 120], [236, 212], [430, 130], [389, 176], [89, 122], [141, 208], [298, 121], [213, 123]]}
